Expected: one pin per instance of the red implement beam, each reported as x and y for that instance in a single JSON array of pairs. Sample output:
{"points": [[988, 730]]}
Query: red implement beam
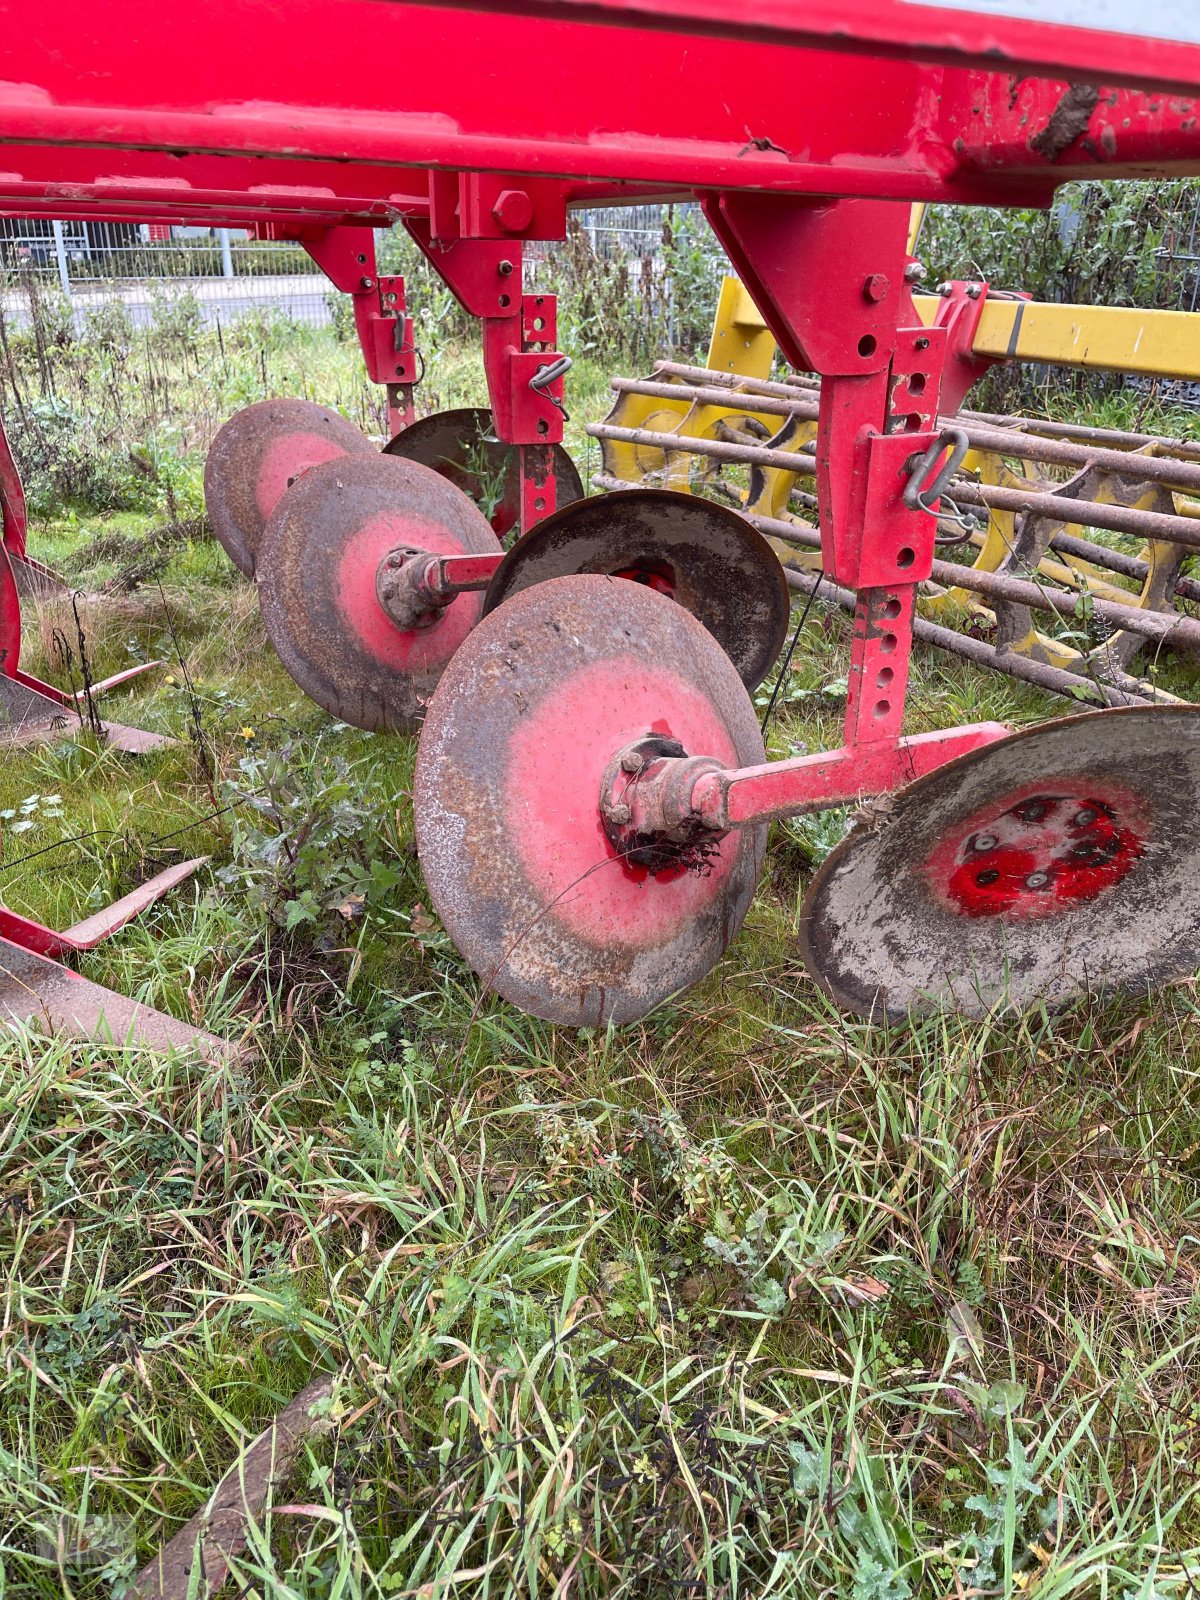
{"points": [[740, 799], [1159, 46], [669, 95], [93, 930]]}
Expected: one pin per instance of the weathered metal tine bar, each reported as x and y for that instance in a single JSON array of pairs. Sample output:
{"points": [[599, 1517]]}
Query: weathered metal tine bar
{"points": [[718, 449], [1061, 508], [1053, 679], [1116, 437], [1182, 475], [1067, 544], [727, 380], [1087, 513], [1163, 625]]}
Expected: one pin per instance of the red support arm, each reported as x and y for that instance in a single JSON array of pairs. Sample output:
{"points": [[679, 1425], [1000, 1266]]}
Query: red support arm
{"points": [[385, 331]]}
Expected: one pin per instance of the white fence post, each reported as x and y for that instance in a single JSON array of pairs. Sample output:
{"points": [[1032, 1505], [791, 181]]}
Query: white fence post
{"points": [[60, 251], [226, 253]]}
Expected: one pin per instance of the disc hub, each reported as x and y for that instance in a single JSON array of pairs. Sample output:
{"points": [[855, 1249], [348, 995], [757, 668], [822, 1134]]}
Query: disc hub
{"points": [[402, 589], [645, 802], [1031, 854]]}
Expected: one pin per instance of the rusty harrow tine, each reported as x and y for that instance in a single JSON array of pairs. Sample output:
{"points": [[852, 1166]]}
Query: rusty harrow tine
{"points": [[1118, 438], [1053, 679], [1089, 513], [718, 449], [739, 384], [1161, 625], [1181, 475]]}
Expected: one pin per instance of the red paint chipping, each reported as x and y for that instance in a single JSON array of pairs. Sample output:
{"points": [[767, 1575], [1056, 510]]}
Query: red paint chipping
{"points": [[1049, 847], [285, 459], [365, 618]]}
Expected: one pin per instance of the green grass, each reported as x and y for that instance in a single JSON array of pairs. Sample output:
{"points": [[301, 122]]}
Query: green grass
{"points": [[749, 1299]]}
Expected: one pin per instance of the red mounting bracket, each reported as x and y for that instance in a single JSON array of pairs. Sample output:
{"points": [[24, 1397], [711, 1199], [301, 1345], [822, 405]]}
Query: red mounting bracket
{"points": [[385, 330], [831, 280], [958, 315], [524, 371]]}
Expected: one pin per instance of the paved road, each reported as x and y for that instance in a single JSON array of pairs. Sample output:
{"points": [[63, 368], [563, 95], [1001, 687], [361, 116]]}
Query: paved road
{"points": [[302, 296]]}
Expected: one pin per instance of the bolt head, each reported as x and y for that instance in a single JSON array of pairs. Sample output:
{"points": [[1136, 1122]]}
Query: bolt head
{"points": [[1084, 818], [632, 762], [619, 814], [366, 283], [986, 841], [974, 290], [876, 287], [1037, 880], [914, 272], [513, 210], [505, 269]]}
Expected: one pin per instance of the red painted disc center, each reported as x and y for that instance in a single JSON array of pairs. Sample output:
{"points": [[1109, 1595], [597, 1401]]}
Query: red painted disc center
{"points": [[1037, 852]]}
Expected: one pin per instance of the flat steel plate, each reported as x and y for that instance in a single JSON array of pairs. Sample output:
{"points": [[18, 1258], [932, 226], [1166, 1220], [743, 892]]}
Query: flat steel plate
{"points": [[256, 455], [27, 717], [461, 446], [704, 556], [506, 799], [36, 990], [1062, 861], [316, 582]]}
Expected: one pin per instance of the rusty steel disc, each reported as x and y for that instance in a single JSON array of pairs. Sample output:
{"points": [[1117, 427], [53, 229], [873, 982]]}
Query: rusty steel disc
{"points": [[316, 578], [461, 446], [256, 455], [1061, 861], [705, 557], [507, 800]]}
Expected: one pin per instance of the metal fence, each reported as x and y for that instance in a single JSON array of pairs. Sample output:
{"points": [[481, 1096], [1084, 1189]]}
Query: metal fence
{"points": [[221, 275]]}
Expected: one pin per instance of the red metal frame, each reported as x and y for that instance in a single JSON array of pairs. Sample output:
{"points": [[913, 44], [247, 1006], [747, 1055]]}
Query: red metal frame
{"points": [[674, 95], [624, 98], [385, 330]]}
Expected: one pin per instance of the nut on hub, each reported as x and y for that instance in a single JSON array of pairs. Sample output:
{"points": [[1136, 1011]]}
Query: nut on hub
{"points": [[403, 589], [645, 803]]}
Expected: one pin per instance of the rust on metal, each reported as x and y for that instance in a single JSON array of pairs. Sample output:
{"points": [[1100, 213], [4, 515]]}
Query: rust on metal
{"points": [[27, 717], [255, 457], [1055, 680], [704, 556], [37, 990], [1171, 627], [507, 794], [1090, 513], [102, 925], [461, 445], [1068, 121], [198, 1558], [1176, 473], [889, 926], [320, 556]]}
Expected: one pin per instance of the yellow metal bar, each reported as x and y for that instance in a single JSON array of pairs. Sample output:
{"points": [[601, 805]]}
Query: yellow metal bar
{"points": [[916, 218], [740, 341], [1157, 344]]}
